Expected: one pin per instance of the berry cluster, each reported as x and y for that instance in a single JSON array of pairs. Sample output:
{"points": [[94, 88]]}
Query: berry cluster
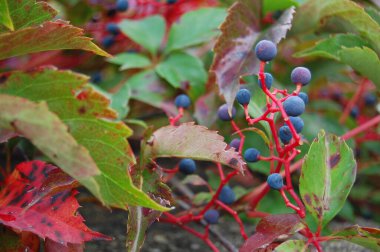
{"points": [[290, 106], [283, 150]]}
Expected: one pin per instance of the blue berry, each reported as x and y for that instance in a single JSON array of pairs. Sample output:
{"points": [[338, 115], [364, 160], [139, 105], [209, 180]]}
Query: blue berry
{"points": [[182, 101], [268, 81], [235, 143], [227, 196], [122, 5], [285, 134], [354, 113], [211, 216], [187, 166], [265, 50], [301, 75], [171, 1], [370, 99], [275, 181], [304, 97], [223, 113], [112, 28], [251, 155], [294, 106], [243, 96], [108, 41], [96, 77], [297, 123]]}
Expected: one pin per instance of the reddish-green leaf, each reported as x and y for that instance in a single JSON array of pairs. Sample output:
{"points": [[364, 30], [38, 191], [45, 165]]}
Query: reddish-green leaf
{"points": [[328, 173], [193, 141], [363, 236], [292, 245], [271, 227], [10, 241], [49, 36], [239, 33], [92, 123], [25, 13], [53, 217], [48, 133]]}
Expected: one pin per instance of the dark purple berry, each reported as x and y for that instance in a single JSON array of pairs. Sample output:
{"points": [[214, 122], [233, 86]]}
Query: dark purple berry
{"points": [[227, 196], [294, 106], [108, 41], [243, 96], [235, 143], [223, 113], [251, 155], [113, 28], [122, 5], [285, 134], [182, 101], [275, 181], [304, 97], [354, 113], [187, 166], [268, 81], [370, 99], [96, 77], [171, 1], [297, 123], [265, 50], [211, 216], [301, 75]]}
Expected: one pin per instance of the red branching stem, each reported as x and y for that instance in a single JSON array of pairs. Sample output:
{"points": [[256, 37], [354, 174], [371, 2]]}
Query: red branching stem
{"points": [[235, 216], [287, 201], [216, 195], [174, 120], [374, 121], [353, 100], [220, 170], [241, 135]]}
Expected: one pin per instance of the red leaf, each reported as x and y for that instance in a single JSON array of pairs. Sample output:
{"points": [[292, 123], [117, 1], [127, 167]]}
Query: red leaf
{"points": [[52, 246], [54, 217], [271, 227]]}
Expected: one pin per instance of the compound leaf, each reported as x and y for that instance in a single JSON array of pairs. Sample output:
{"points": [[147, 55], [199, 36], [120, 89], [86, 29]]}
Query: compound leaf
{"points": [[328, 173], [92, 123], [363, 236], [148, 32], [55, 35], [186, 32], [271, 227], [51, 217], [35, 122]]}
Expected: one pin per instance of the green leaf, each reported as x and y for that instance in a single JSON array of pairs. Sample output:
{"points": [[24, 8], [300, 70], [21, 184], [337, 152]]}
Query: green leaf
{"points": [[46, 131], [278, 5], [186, 32], [120, 100], [292, 245], [130, 60], [328, 173], [147, 87], [91, 123], [184, 142], [181, 69], [25, 13], [5, 17], [350, 50], [363, 60], [363, 236], [49, 36], [314, 13], [148, 32], [331, 47]]}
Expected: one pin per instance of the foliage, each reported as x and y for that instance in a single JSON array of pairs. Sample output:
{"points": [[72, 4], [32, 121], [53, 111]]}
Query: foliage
{"points": [[119, 133]]}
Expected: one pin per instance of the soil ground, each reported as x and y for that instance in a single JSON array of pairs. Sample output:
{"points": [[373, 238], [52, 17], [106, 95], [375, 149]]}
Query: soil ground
{"points": [[168, 238]]}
